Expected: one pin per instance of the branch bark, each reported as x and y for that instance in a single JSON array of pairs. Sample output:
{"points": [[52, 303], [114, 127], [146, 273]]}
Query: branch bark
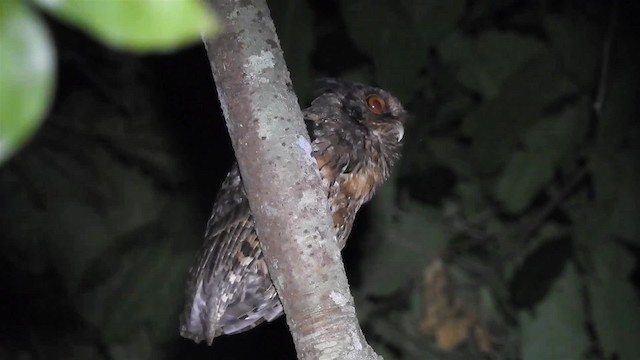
{"points": [[282, 183]]}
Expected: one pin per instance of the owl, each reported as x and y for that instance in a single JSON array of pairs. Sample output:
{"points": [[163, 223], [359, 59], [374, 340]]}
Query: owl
{"points": [[356, 133]]}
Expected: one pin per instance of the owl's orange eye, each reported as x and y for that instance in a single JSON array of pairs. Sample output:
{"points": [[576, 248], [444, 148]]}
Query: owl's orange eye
{"points": [[376, 104]]}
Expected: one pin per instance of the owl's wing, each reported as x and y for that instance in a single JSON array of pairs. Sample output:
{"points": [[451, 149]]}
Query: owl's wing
{"points": [[229, 289]]}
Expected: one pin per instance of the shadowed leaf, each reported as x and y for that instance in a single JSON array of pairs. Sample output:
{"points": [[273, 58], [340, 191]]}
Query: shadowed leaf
{"points": [[141, 25], [27, 64]]}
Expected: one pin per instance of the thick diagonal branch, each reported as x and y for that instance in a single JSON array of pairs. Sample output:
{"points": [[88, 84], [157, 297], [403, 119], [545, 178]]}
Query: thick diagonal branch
{"points": [[283, 184]]}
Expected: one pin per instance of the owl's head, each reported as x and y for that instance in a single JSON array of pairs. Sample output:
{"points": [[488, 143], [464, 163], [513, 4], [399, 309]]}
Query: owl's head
{"points": [[373, 108], [356, 126]]}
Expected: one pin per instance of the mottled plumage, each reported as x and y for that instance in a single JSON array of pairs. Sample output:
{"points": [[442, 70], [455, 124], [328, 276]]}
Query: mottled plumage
{"points": [[355, 132]]}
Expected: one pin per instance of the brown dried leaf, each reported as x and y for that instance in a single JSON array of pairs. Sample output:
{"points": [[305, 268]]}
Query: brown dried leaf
{"points": [[448, 318]]}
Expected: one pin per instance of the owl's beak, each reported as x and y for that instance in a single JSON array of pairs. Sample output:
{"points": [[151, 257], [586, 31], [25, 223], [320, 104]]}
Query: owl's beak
{"points": [[400, 133]]}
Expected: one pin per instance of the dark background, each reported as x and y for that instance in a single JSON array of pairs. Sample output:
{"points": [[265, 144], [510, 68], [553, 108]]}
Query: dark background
{"points": [[510, 229]]}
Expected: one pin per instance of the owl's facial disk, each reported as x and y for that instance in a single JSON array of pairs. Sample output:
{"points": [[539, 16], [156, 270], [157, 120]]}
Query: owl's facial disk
{"points": [[371, 108], [375, 109], [385, 115]]}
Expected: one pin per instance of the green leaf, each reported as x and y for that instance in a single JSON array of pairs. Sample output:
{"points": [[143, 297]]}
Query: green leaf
{"points": [[433, 19], [556, 329], [605, 171], [101, 222], [407, 239], [27, 63], [546, 145], [619, 125], [616, 176], [89, 202], [449, 151], [378, 27], [575, 41], [616, 306], [626, 212], [615, 302], [141, 25], [144, 291], [497, 125], [484, 63]]}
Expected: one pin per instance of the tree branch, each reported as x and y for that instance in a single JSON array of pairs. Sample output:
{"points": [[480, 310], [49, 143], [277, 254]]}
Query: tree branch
{"points": [[601, 91], [282, 183]]}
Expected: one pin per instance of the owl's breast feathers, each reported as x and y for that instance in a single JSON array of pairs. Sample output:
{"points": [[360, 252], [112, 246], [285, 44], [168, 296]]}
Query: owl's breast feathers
{"points": [[229, 289]]}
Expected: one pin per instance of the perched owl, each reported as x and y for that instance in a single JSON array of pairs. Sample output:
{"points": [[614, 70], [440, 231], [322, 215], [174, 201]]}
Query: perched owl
{"points": [[356, 133]]}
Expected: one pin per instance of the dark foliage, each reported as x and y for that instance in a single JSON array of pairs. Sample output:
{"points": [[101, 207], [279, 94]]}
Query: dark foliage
{"points": [[510, 230]]}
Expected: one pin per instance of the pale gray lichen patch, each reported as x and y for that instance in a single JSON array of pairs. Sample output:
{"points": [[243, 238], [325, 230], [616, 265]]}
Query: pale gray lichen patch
{"points": [[304, 144], [308, 199], [257, 64], [323, 346], [234, 14], [270, 210], [338, 298], [357, 345]]}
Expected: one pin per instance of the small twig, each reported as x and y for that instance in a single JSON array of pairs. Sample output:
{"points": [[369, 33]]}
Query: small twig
{"points": [[525, 230], [595, 349], [528, 229], [531, 227], [604, 63]]}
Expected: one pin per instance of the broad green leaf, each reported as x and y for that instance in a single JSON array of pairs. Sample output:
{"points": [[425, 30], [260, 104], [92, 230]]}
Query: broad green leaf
{"points": [[605, 171], [140, 25], [100, 218], [546, 145], [616, 176], [484, 63], [626, 211], [575, 41], [619, 125], [557, 327], [86, 196], [550, 234], [615, 303], [433, 19], [454, 107], [90, 210], [398, 35], [614, 161], [497, 125], [403, 241], [473, 203], [616, 306], [449, 151], [27, 63], [143, 292]]}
